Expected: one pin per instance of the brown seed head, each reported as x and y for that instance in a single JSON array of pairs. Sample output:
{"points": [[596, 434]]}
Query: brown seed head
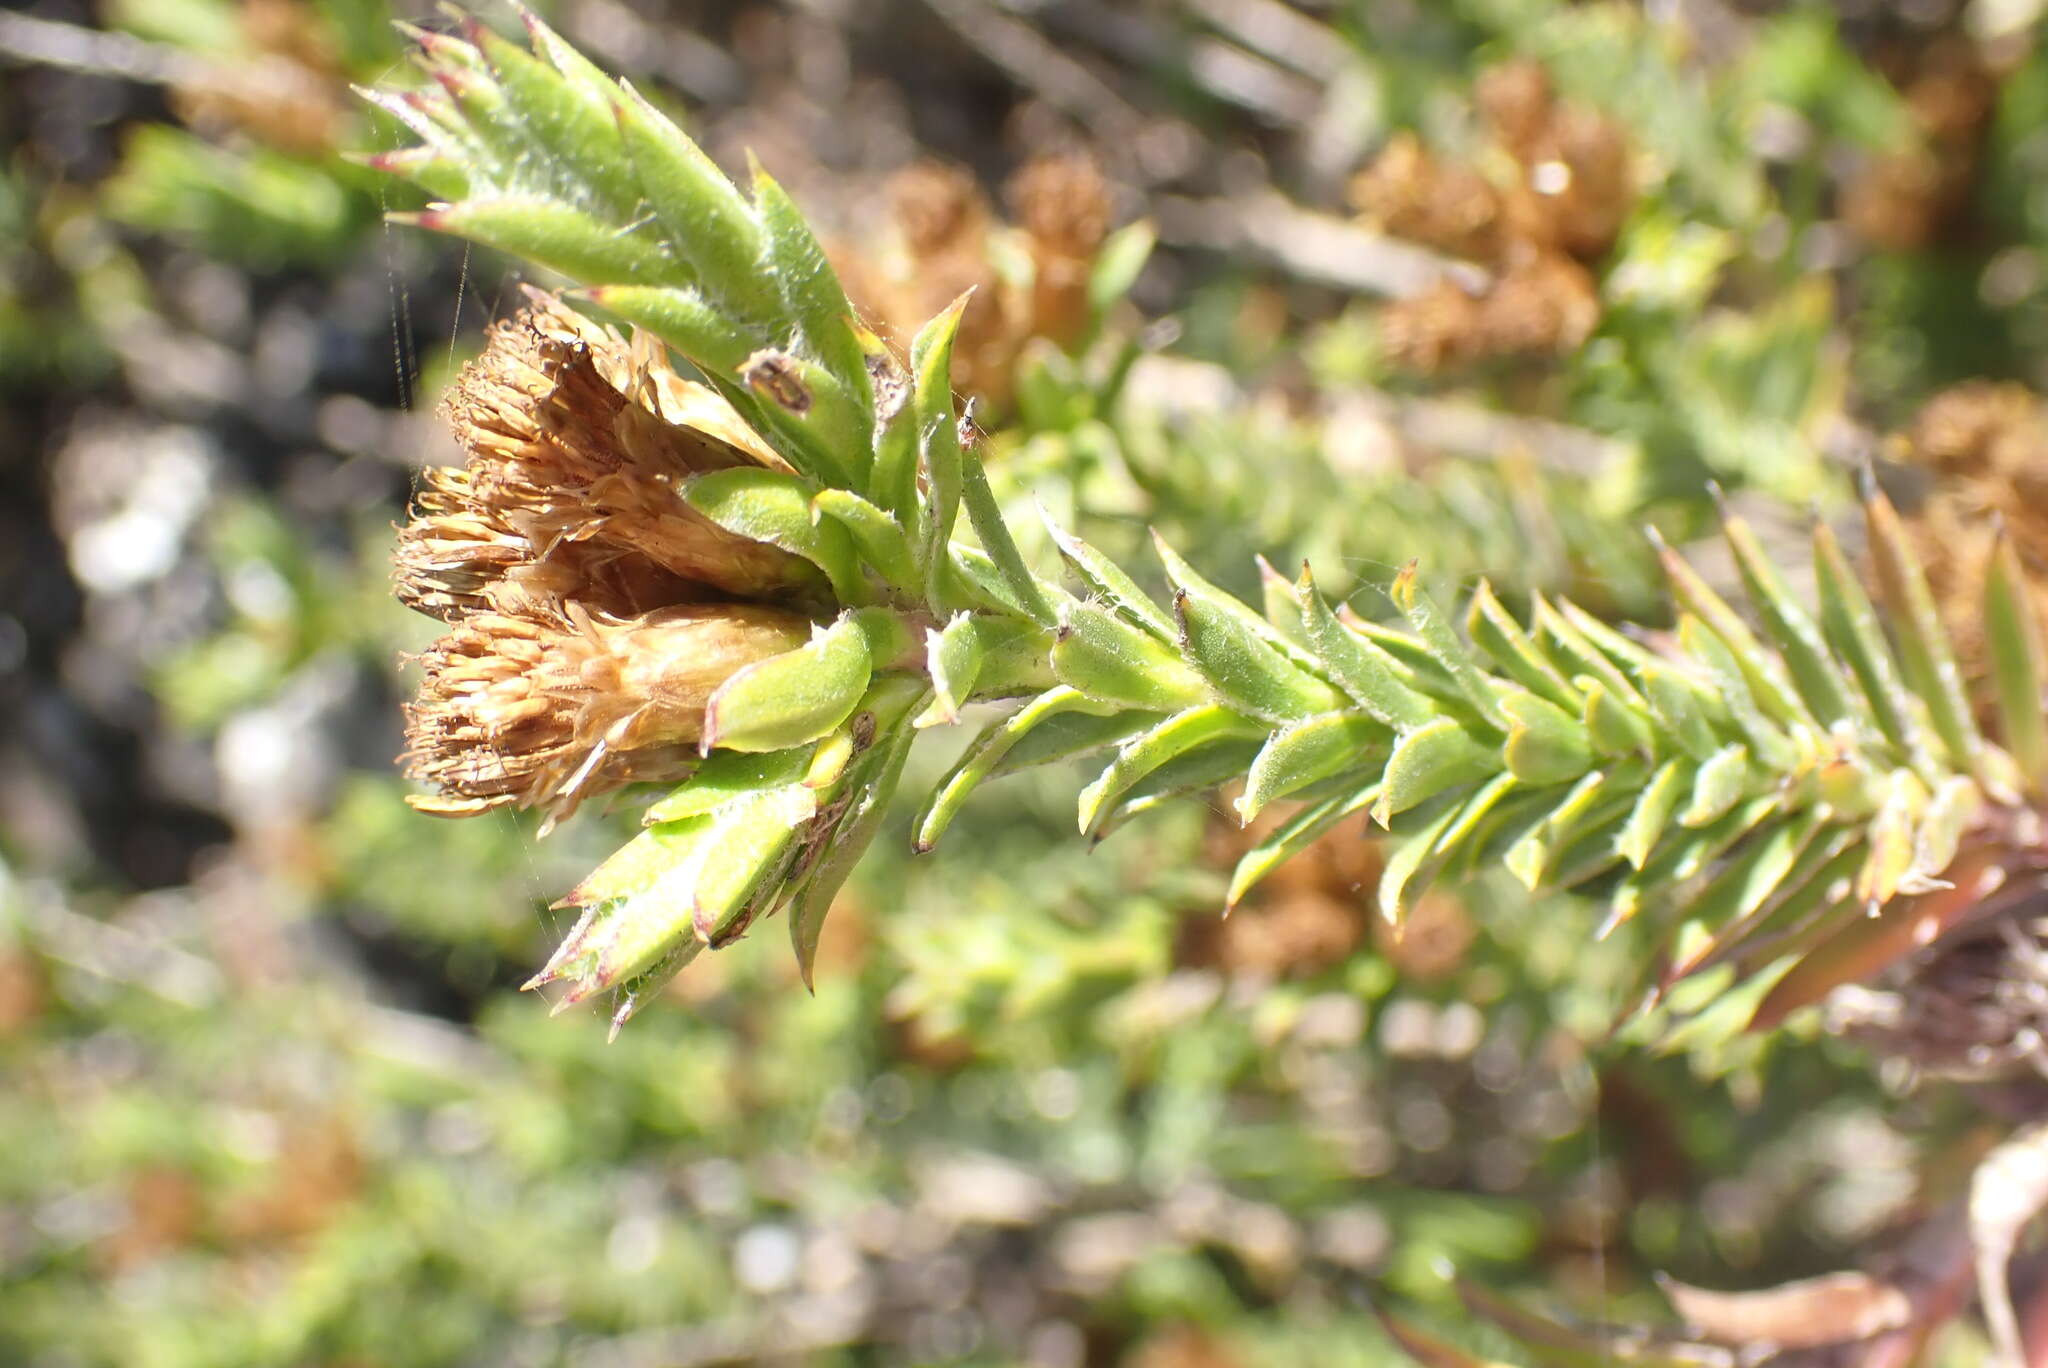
{"points": [[1408, 193], [539, 708], [939, 209], [575, 435]]}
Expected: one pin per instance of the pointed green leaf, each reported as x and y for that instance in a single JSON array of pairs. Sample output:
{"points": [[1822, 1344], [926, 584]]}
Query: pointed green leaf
{"points": [[1118, 261], [795, 261], [683, 318], [1278, 606], [1309, 752], [1850, 624], [1653, 812], [1682, 709], [1721, 781], [554, 235], [727, 777], [1612, 726], [1772, 748], [1929, 664], [1798, 638], [1291, 837], [986, 517], [2019, 669], [1106, 579], [1765, 673], [877, 537], [1364, 671], [1184, 577], [1106, 658], [701, 212], [984, 755], [576, 134], [745, 851], [1404, 874], [1495, 631], [830, 856], [1143, 754], [931, 361], [1243, 669], [1434, 629]]}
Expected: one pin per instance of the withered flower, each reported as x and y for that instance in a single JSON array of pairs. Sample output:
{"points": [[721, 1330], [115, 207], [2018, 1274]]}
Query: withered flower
{"points": [[593, 610], [543, 708], [575, 434]]}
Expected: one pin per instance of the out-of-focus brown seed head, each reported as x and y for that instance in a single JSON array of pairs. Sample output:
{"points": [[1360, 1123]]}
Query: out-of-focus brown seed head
{"points": [[1409, 194]]}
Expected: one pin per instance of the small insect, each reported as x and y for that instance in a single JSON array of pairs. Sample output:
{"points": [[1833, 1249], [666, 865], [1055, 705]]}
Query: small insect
{"points": [[775, 374]]}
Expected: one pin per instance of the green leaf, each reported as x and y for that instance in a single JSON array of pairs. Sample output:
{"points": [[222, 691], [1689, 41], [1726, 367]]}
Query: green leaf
{"points": [[554, 235], [1106, 658], [1442, 642], [986, 516], [1851, 627], [2019, 670], [1428, 761], [1612, 726], [1143, 754], [683, 318], [931, 362], [702, 213], [1404, 873], [983, 757], [1682, 709], [877, 537], [1798, 639], [1364, 671], [1930, 666], [1494, 631], [579, 136], [1718, 785], [830, 855], [1118, 262], [1653, 811], [794, 697], [793, 259], [1545, 744], [769, 506], [1772, 748], [1107, 579], [1291, 837], [1243, 669], [1763, 671], [725, 778], [1309, 752]]}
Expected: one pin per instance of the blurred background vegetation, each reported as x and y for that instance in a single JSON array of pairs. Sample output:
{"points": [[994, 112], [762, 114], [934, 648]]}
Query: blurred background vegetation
{"points": [[268, 1091]]}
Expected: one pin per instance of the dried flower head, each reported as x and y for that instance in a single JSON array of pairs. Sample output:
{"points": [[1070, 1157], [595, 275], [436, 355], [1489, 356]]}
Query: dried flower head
{"points": [[948, 241], [1063, 206], [593, 610], [1572, 187], [1986, 443], [1904, 200], [1408, 193], [544, 709], [574, 434]]}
